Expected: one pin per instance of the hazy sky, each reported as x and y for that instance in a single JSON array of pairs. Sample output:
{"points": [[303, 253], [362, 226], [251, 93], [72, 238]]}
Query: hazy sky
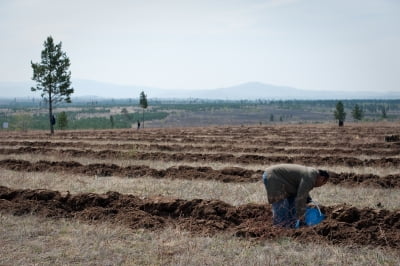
{"points": [[204, 44]]}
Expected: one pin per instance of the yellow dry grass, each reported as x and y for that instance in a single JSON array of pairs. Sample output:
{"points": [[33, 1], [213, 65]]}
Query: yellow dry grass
{"points": [[30, 240], [232, 193], [381, 171]]}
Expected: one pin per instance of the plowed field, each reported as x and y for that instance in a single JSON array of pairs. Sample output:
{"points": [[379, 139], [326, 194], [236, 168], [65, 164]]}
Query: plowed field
{"points": [[222, 154], [344, 224]]}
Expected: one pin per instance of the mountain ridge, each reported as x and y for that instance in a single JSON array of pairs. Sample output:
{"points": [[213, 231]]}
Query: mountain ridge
{"points": [[244, 91]]}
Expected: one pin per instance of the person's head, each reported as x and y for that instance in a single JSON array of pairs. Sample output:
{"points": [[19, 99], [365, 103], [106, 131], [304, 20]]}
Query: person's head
{"points": [[322, 178]]}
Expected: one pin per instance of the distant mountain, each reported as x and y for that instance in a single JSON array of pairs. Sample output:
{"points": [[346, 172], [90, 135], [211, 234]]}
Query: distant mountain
{"points": [[256, 90], [250, 91]]}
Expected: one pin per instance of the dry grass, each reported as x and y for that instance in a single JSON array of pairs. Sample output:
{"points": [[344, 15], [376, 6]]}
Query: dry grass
{"points": [[30, 240], [357, 196], [133, 150], [380, 171], [232, 193], [195, 146]]}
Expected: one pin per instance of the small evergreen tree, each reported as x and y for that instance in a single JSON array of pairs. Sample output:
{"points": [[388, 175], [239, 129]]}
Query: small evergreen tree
{"points": [[62, 121], [52, 77], [339, 113], [112, 121], [143, 103], [357, 112], [384, 110]]}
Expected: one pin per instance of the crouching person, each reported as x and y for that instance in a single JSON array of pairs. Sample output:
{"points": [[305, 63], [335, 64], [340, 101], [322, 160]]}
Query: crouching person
{"points": [[288, 187]]}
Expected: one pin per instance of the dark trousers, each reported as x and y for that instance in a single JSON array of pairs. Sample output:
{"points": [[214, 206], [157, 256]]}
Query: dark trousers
{"points": [[284, 212]]}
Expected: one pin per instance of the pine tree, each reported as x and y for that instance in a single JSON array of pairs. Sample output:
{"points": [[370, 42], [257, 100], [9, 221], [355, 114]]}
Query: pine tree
{"points": [[384, 110], [357, 113], [143, 103], [112, 121], [62, 120], [340, 113], [52, 77]]}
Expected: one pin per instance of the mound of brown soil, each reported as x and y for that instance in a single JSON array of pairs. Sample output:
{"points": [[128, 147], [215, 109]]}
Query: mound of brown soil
{"points": [[180, 172], [344, 224], [204, 157], [229, 174]]}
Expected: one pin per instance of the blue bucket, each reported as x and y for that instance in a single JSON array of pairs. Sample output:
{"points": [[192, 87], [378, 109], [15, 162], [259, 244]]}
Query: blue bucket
{"points": [[314, 215]]}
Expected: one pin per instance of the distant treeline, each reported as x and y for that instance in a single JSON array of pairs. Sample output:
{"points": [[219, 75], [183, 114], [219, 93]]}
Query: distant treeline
{"points": [[32, 114], [204, 104], [41, 121]]}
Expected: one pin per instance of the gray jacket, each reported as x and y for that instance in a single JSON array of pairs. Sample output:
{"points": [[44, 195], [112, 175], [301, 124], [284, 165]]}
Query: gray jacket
{"points": [[290, 180]]}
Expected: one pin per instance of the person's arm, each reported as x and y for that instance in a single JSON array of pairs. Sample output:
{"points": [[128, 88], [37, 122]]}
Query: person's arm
{"points": [[301, 197]]}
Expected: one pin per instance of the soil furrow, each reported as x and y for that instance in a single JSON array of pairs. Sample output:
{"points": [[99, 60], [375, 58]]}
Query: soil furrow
{"points": [[356, 150], [200, 157], [229, 174], [344, 225], [303, 140]]}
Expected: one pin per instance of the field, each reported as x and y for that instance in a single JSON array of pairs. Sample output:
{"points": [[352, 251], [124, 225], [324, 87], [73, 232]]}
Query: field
{"points": [[31, 114], [194, 196]]}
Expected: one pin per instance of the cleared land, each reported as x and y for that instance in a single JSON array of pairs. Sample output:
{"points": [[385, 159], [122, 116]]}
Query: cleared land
{"points": [[205, 182]]}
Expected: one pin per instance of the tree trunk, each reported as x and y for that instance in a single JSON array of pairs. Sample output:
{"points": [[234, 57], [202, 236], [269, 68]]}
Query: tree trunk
{"points": [[341, 123], [51, 114], [143, 118]]}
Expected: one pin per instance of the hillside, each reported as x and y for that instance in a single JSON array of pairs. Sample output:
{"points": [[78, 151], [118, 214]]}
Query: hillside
{"points": [[249, 91]]}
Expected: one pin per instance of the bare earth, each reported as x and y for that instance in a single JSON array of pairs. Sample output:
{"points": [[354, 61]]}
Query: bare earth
{"points": [[243, 153]]}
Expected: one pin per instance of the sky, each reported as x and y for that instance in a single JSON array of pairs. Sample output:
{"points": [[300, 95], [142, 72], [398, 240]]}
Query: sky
{"points": [[345, 45]]}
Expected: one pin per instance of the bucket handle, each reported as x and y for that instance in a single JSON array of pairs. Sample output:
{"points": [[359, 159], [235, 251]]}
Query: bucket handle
{"points": [[316, 205]]}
